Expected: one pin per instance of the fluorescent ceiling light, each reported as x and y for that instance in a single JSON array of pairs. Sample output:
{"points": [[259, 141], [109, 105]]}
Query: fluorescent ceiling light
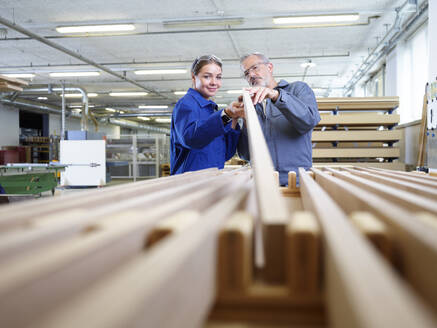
{"points": [[79, 95], [153, 106], [74, 74], [235, 91], [180, 93], [222, 105], [20, 75], [163, 120], [160, 71], [110, 109], [128, 94], [316, 19], [80, 106], [121, 112], [204, 22], [42, 98], [144, 118], [96, 28]]}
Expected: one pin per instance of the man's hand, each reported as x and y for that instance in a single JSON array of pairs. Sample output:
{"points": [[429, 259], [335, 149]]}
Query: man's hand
{"points": [[258, 94], [236, 109]]}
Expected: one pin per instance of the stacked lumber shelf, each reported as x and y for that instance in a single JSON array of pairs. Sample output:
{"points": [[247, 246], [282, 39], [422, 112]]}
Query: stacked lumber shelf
{"points": [[10, 84], [357, 131], [349, 247]]}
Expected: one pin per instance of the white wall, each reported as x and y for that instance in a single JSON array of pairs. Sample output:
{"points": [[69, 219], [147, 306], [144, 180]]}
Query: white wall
{"points": [[432, 42], [9, 126]]}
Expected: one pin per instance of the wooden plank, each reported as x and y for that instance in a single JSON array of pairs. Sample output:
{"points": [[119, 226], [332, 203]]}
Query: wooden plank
{"points": [[358, 103], [414, 188], [359, 119], [416, 245], [351, 261], [420, 176], [386, 152], [272, 209], [5, 86], [234, 262], [387, 135], [174, 224], [141, 293], [408, 200], [18, 214], [13, 80], [375, 231], [303, 254], [51, 228], [393, 174], [385, 165], [75, 263]]}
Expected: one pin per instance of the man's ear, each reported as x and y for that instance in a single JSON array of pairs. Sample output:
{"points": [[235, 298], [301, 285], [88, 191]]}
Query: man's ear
{"points": [[270, 67], [193, 79]]}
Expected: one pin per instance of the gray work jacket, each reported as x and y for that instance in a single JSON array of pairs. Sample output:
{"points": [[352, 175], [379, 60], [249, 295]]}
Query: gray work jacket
{"points": [[287, 126]]}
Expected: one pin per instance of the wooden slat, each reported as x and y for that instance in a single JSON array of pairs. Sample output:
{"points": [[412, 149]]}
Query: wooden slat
{"points": [[5, 86], [13, 216], [416, 245], [303, 254], [356, 276], [272, 209], [12, 80], [141, 293], [374, 230], [358, 103], [395, 165], [234, 258], [362, 119], [386, 152], [408, 200], [399, 177], [420, 176], [388, 135], [174, 224], [414, 188]]}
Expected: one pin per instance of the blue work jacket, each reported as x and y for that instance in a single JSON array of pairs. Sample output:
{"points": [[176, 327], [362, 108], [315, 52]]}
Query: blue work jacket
{"points": [[287, 125], [198, 137]]}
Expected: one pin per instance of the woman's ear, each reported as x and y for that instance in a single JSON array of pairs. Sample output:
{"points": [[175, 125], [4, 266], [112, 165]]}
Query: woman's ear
{"points": [[193, 79]]}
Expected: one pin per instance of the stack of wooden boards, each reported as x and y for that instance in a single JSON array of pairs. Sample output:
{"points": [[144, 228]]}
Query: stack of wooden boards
{"points": [[358, 131], [10, 84], [349, 247]]}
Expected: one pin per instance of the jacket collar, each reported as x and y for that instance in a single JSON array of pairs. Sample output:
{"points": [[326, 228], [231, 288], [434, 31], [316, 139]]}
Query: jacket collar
{"points": [[282, 83], [200, 100]]}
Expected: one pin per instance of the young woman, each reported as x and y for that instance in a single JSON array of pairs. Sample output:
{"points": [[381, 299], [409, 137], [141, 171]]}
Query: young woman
{"points": [[201, 135]]}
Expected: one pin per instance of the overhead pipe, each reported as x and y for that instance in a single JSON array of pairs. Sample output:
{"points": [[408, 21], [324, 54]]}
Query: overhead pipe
{"points": [[45, 108], [56, 46], [134, 125], [85, 113], [387, 43]]}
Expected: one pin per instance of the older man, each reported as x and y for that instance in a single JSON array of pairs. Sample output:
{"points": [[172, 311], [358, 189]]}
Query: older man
{"points": [[287, 112]]}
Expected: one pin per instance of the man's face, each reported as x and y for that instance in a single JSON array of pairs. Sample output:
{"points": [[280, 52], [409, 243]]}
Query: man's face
{"points": [[256, 72]]}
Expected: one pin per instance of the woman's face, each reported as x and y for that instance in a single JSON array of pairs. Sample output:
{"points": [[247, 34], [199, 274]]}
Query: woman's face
{"points": [[208, 80]]}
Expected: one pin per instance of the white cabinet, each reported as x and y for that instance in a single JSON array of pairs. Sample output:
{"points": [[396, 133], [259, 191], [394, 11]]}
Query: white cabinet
{"points": [[88, 162]]}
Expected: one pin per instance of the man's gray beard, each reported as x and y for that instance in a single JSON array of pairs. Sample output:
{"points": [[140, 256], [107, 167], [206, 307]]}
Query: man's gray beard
{"points": [[262, 83]]}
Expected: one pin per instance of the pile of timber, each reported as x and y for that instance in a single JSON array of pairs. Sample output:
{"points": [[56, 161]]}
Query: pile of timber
{"points": [[349, 247], [10, 84], [358, 131]]}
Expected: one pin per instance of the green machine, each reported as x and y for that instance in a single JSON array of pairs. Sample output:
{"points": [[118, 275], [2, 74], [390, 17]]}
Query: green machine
{"points": [[29, 179]]}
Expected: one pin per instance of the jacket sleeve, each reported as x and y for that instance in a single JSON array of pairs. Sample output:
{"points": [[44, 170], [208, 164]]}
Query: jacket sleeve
{"points": [[231, 140], [193, 132], [243, 144], [299, 107]]}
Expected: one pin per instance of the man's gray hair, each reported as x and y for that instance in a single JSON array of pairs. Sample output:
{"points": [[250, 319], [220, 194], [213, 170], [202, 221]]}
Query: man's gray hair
{"points": [[261, 56]]}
